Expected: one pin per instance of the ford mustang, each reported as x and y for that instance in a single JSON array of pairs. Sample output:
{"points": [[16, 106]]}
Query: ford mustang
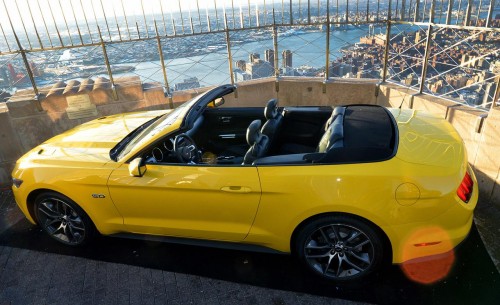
{"points": [[343, 188]]}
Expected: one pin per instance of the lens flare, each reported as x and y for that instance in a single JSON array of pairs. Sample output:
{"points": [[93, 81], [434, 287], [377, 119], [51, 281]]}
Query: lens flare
{"points": [[421, 263]]}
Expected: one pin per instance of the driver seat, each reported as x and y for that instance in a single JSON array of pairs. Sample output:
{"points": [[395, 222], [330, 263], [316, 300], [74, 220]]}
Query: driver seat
{"points": [[258, 142], [274, 120]]}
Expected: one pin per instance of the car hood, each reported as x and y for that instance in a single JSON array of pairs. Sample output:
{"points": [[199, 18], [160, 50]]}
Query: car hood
{"points": [[92, 141], [427, 139]]}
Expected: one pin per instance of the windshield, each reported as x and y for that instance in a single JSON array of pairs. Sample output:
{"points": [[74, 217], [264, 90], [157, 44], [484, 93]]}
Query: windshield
{"points": [[145, 132]]}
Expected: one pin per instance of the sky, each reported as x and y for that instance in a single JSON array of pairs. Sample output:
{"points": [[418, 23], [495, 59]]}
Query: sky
{"points": [[62, 9]]}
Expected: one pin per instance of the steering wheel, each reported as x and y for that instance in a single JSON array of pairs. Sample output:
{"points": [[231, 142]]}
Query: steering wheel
{"points": [[185, 149]]}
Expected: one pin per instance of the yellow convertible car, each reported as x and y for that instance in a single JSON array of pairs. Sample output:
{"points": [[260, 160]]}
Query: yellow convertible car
{"points": [[344, 188]]}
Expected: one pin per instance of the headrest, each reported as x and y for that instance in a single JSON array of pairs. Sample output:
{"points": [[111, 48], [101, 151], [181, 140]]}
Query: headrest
{"points": [[271, 110], [338, 111], [253, 132]]}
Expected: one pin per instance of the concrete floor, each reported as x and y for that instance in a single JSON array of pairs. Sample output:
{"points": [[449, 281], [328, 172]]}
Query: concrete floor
{"points": [[36, 270]]}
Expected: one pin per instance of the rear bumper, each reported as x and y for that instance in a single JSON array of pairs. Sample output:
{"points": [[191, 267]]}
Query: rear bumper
{"points": [[438, 235]]}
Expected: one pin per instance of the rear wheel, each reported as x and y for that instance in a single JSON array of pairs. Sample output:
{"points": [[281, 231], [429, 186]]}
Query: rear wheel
{"points": [[340, 248], [63, 219]]}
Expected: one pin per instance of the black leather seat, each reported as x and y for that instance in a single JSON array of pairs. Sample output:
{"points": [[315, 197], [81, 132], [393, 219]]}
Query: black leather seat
{"points": [[258, 142], [333, 136], [273, 121]]}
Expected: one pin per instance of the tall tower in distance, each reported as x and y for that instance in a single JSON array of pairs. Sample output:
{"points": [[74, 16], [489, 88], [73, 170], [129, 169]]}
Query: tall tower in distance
{"points": [[287, 58], [270, 56]]}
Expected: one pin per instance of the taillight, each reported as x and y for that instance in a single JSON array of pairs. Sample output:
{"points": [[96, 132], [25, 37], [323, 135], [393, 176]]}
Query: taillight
{"points": [[465, 189]]}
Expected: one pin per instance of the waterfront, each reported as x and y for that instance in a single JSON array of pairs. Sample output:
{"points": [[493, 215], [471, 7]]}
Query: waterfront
{"points": [[309, 49]]}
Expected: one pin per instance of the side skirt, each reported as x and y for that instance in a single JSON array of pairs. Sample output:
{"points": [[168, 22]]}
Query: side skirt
{"points": [[200, 242]]}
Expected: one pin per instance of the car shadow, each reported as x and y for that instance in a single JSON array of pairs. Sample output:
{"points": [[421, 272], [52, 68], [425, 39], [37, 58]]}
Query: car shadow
{"points": [[472, 279]]}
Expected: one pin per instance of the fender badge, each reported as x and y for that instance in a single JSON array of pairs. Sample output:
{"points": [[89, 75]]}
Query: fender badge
{"points": [[98, 196]]}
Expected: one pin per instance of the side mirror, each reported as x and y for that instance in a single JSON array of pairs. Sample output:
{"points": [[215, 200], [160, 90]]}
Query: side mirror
{"points": [[137, 168], [216, 103]]}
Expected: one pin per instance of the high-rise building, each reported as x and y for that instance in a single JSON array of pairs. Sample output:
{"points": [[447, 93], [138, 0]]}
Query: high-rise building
{"points": [[259, 68], [241, 64], [241, 75], [270, 56], [253, 57], [287, 58]]}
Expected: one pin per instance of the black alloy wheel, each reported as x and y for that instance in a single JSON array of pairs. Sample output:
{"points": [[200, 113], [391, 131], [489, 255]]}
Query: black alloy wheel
{"points": [[340, 248], [63, 219]]}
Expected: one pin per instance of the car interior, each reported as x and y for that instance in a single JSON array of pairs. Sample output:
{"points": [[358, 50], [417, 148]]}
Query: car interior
{"points": [[274, 135]]}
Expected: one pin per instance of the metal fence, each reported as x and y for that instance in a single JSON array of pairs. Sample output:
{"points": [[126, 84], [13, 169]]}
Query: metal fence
{"points": [[449, 49]]}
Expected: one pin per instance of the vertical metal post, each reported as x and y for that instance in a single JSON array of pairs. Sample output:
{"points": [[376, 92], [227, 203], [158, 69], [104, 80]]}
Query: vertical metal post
{"points": [[199, 15], [28, 69], [417, 11], [22, 21], [479, 11], [432, 11], [105, 20], [367, 11], [357, 10], [308, 11], [389, 12], [327, 63], [76, 22], [291, 13], [208, 18], [468, 12], [182, 18], [347, 11], [275, 50], [458, 11], [108, 66], [282, 11], [216, 15], [5, 37], [234, 17], [163, 17], [242, 23], [257, 14], [229, 55], [490, 14], [423, 11], [265, 13], [117, 25], [450, 11], [44, 23], [300, 11], [66, 23], [126, 21], [249, 14], [386, 50], [87, 22], [426, 59], [403, 10], [34, 25], [378, 9], [137, 28], [164, 69], [144, 16]]}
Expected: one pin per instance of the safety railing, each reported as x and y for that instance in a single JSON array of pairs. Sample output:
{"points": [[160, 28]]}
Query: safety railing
{"points": [[448, 49]]}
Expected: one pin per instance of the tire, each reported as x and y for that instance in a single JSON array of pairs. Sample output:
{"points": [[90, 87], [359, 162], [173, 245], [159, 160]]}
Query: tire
{"points": [[340, 248], [63, 220]]}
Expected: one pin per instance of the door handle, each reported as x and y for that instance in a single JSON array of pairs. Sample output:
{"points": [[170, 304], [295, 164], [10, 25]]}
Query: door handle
{"points": [[236, 189], [225, 119]]}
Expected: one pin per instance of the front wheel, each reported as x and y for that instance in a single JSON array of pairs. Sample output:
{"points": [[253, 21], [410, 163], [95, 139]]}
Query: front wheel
{"points": [[340, 248], [63, 219]]}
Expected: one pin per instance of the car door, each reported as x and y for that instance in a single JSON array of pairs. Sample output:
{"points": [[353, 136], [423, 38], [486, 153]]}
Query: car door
{"points": [[193, 201]]}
